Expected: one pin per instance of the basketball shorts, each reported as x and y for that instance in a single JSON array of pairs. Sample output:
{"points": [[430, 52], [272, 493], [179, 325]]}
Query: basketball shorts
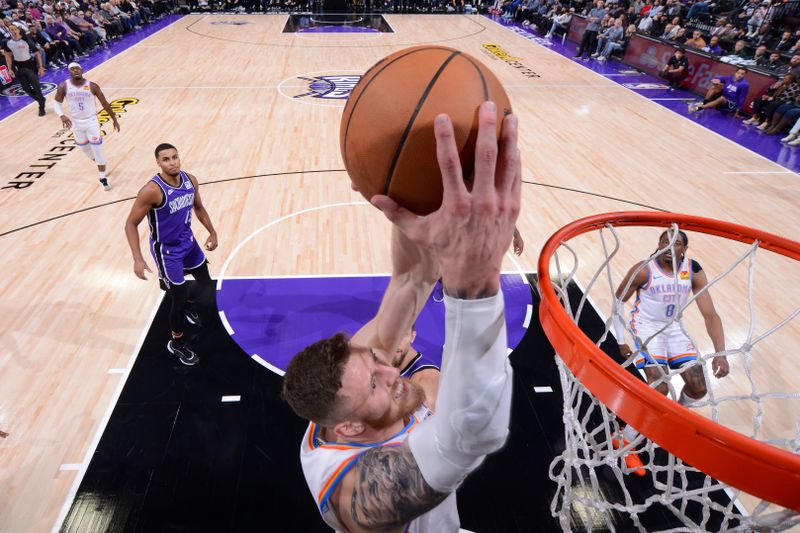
{"points": [[671, 347], [87, 131], [173, 261]]}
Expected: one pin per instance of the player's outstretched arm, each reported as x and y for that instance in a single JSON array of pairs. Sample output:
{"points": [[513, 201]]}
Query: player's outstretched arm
{"points": [[468, 235], [202, 215], [149, 196], [414, 273], [103, 102], [639, 276], [719, 365]]}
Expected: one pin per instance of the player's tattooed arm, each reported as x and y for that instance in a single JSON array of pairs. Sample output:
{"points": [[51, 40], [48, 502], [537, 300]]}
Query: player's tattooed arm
{"points": [[388, 491]]}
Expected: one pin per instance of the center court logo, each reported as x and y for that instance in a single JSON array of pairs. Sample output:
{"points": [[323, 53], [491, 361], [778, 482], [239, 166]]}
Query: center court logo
{"points": [[15, 91], [337, 87], [516, 62]]}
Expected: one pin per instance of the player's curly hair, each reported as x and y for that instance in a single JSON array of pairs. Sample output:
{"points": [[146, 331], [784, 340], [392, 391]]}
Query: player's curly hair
{"points": [[313, 378]]}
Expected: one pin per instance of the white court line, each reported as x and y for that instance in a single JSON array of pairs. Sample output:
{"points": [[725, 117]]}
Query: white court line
{"points": [[221, 277], [265, 364], [235, 251], [62, 515], [225, 323], [528, 316]]}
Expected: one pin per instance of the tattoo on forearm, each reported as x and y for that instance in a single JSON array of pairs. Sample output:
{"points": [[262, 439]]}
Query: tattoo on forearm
{"points": [[390, 491]]}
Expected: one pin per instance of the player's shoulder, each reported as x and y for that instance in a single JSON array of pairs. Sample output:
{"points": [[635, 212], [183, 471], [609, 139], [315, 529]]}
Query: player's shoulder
{"points": [[192, 178], [150, 190], [695, 266]]}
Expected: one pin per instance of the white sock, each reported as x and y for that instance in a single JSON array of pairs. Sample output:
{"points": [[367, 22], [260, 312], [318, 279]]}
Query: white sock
{"points": [[629, 433], [102, 174], [686, 400]]}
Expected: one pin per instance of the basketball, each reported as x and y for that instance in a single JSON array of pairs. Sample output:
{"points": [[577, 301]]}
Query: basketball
{"points": [[386, 133]]}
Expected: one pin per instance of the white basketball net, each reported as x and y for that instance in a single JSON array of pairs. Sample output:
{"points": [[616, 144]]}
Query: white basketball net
{"points": [[593, 480]]}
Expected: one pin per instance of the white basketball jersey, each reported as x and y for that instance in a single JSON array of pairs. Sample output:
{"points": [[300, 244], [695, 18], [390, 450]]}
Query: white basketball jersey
{"points": [[80, 101], [326, 463], [662, 296]]}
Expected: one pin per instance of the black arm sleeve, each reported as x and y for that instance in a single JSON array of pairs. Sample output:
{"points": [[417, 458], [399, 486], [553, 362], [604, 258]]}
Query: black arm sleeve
{"points": [[696, 266]]}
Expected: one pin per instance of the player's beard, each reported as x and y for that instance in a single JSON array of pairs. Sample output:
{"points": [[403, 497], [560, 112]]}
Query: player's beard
{"points": [[412, 400]]}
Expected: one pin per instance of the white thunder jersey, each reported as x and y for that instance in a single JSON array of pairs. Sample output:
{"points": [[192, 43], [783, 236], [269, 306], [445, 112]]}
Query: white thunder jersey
{"points": [[326, 463], [662, 296], [81, 102]]}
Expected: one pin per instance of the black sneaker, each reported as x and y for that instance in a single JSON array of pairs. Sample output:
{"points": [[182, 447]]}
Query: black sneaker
{"points": [[193, 318], [105, 184], [41, 110], [185, 355]]}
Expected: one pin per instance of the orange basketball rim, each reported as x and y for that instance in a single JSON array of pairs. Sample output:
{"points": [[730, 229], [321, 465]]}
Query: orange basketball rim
{"points": [[757, 468]]}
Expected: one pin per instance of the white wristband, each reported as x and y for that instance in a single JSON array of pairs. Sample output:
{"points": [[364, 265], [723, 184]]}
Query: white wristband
{"points": [[57, 108]]}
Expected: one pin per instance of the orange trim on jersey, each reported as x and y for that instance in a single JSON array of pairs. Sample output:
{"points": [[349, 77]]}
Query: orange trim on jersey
{"points": [[635, 312], [333, 477], [686, 354]]}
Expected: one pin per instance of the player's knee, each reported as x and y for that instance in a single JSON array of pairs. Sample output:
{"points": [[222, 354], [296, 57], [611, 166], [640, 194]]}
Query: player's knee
{"points": [[663, 388]]}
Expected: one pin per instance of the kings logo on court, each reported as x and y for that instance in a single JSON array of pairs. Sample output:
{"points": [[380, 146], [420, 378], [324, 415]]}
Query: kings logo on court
{"points": [[15, 90], [337, 87]]}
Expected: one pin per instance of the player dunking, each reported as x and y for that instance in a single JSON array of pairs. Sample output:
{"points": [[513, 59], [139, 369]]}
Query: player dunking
{"points": [[167, 200], [662, 290], [374, 456], [80, 94]]}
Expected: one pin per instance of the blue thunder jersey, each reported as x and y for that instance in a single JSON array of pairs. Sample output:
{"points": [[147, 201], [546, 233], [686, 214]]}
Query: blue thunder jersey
{"points": [[171, 221]]}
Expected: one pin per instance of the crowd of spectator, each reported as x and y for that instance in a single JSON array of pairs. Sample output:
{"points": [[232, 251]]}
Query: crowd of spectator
{"points": [[64, 30], [748, 35]]}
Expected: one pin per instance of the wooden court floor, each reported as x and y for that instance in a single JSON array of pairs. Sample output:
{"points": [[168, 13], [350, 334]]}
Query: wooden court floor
{"points": [[72, 313]]}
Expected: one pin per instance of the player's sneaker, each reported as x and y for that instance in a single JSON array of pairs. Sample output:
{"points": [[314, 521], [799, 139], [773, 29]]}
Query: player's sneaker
{"points": [[193, 318], [185, 355], [632, 460], [106, 185]]}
